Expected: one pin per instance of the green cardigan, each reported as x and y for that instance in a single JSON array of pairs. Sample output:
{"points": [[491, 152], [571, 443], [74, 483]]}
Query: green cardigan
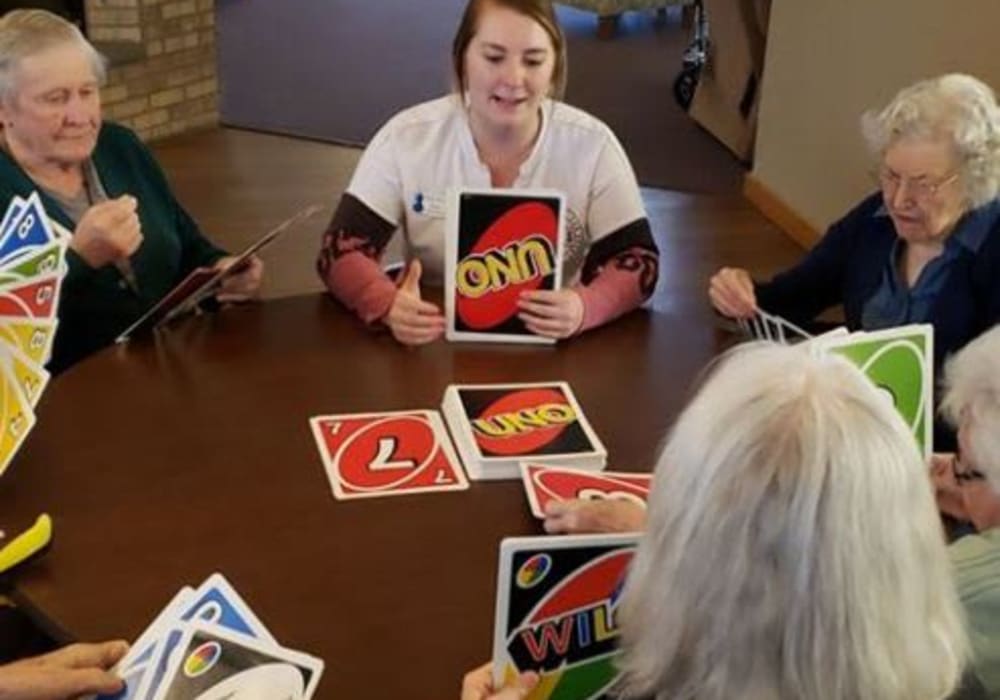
{"points": [[96, 304], [976, 562]]}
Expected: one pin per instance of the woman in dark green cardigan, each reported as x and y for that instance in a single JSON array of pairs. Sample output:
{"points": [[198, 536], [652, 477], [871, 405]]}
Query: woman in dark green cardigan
{"points": [[132, 241]]}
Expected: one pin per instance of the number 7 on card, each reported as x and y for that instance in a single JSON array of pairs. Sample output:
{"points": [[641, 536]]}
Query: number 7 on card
{"points": [[367, 455]]}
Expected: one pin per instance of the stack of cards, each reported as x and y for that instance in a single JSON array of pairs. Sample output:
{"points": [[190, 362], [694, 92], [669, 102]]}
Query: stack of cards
{"points": [[367, 455], [900, 361], [556, 606], [32, 265], [497, 426], [500, 243], [208, 644], [543, 483]]}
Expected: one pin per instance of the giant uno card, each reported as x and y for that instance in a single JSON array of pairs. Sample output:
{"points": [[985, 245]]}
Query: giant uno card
{"points": [[543, 483], [900, 362], [556, 612], [500, 243], [384, 454]]}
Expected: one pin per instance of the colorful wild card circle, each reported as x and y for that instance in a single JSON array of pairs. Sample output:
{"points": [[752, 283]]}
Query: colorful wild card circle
{"points": [[202, 659], [534, 570]]}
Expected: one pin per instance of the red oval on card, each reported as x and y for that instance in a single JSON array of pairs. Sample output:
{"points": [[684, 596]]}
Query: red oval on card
{"points": [[522, 422], [503, 263]]}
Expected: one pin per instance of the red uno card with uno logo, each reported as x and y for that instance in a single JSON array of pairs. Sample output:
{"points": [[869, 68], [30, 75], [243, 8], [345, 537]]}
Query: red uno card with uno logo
{"points": [[544, 483], [556, 612], [384, 454], [498, 426], [500, 243]]}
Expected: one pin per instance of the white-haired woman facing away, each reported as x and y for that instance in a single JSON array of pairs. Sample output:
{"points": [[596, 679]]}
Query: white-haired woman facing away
{"points": [[971, 486], [792, 548]]}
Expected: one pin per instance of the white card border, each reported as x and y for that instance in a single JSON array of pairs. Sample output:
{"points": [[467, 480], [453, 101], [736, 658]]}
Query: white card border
{"points": [[453, 199], [437, 426]]}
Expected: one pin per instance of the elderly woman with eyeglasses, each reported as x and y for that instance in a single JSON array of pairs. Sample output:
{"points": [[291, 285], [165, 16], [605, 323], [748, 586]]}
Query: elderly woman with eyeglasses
{"points": [[926, 248], [968, 487], [132, 241]]}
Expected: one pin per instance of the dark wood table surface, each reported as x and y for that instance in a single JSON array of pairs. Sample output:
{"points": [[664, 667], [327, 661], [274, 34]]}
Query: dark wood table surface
{"points": [[164, 461]]}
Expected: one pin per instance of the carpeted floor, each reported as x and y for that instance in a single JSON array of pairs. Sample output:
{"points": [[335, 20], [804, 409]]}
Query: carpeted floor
{"points": [[336, 70]]}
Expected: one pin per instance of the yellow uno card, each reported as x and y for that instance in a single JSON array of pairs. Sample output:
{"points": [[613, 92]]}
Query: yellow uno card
{"points": [[16, 417]]}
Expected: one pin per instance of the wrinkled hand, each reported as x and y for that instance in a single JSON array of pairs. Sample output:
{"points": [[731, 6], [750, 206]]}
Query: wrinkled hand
{"points": [[732, 294], [243, 285], [553, 314], [478, 685], [108, 231], [79, 669], [585, 516], [947, 491], [412, 320], [969, 500]]}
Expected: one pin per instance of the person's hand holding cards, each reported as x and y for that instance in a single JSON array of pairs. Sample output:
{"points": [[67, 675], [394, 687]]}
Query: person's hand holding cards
{"points": [[79, 669], [242, 283], [412, 320], [478, 685], [551, 313], [585, 516], [732, 293], [108, 231]]}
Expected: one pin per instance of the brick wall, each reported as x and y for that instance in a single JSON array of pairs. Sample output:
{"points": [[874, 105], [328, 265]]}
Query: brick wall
{"points": [[162, 79]]}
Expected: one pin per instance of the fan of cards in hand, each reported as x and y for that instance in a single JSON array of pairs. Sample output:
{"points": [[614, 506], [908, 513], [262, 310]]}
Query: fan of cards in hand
{"points": [[32, 265], [765, 326], [207, 644]]}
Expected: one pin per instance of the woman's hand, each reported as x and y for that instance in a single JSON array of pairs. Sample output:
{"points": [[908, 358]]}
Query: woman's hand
{"points": [[478, 685], [79, 669], [584, 516], [553, 314], [732, 294], [412, 320], [108, 231], [243, 285]]}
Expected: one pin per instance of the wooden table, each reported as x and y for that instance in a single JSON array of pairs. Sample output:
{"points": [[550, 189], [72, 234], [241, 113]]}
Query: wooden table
{"points": [[162, 462]]}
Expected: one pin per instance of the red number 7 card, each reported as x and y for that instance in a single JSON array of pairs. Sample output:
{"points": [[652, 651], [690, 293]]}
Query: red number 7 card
{"points": [[368, 455]]}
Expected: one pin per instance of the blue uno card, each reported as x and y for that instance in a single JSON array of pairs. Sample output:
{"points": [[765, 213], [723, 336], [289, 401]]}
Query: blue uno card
{"points": [[14, 207], [29, 228]]}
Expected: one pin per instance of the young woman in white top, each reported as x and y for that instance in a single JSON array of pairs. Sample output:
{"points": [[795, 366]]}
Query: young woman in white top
{"points": [[502, 128]]}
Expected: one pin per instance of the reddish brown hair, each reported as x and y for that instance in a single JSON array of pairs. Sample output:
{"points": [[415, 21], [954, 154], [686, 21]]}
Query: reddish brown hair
{"points": [[541, 11]]}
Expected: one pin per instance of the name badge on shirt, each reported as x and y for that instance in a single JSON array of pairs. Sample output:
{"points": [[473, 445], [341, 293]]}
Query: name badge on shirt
{"points": [[428, 204]]}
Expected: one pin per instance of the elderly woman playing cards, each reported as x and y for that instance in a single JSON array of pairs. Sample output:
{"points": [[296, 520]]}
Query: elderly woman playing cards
{"points": [[792, 547], [131, 241], [925, 248], [504, 127], [968, 487]]}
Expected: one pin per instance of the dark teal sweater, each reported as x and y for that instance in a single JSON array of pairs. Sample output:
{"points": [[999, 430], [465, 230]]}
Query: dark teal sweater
{"points": [[96, 304]]}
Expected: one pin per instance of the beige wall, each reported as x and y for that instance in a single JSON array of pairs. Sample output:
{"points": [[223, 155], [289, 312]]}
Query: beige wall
{"points": [[829, 60]]}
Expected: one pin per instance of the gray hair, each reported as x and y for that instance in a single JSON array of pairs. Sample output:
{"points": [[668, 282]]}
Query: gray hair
{"points": [[957, 107], [793, 547], [972, 400], [24, 33]]}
